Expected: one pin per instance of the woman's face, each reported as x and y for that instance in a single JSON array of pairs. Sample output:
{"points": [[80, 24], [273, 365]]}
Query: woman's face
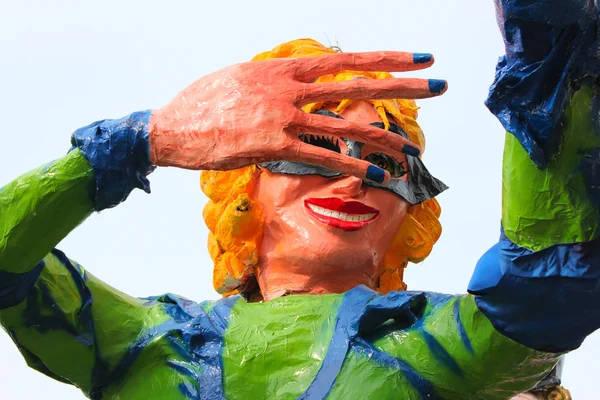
{"points": [[326, 235]]}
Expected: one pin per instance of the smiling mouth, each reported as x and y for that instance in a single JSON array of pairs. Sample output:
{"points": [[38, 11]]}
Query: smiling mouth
{"points": [[346, 215]]}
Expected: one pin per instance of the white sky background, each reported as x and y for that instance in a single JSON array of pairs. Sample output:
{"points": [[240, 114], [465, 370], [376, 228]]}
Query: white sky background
{"points": [[64, 64]]}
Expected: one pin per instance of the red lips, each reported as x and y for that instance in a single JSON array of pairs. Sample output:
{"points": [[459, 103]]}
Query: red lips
{"points": [[341, 206]]}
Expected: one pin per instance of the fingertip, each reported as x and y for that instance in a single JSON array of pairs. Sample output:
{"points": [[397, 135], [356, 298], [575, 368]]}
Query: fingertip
{"points": [[411, 150], [423, 58], [437, 86], [387, 178], [377, 174]]}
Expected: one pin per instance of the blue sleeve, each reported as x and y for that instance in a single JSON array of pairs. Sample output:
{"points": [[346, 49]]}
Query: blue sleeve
{"points": [[119, 152], [548, 300], [551, 48]]}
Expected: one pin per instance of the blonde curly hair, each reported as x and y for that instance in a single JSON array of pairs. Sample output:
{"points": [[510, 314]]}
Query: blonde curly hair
{"points": [[235, 221]]}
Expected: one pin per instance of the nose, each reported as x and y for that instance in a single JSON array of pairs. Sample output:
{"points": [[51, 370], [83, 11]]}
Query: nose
{"points": [[348, 185]]}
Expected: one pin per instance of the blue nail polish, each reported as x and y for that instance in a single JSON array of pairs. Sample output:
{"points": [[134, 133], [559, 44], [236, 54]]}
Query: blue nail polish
{"points": [[422, 58], [410, 150], [436, 86], [375, 174]]}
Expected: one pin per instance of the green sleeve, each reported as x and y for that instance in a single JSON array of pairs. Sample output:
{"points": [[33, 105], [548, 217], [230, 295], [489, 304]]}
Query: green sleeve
{"points": [[38, 209], [543, 207], [458, 350], [66, 323], [75, 328]]}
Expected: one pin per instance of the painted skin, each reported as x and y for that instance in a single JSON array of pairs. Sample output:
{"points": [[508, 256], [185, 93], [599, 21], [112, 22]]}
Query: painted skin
{"points": [[302, 252], [249, 113]]}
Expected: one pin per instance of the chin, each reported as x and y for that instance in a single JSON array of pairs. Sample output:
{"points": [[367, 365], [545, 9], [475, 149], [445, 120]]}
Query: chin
{"points": [[327, 260], [334, 253], [348, 245]]}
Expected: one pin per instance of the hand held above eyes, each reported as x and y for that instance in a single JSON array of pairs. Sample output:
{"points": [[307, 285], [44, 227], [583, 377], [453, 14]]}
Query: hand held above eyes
{"points": [[250, 113]]}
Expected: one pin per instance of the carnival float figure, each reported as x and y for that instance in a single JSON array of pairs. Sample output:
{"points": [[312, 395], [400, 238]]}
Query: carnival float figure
{"points": [[316, 206]]}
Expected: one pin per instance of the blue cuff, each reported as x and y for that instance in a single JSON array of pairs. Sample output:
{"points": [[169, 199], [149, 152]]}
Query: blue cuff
{"points": [[119, 152], [551, 46], [549, 12], [15, 287], [547, 300]]}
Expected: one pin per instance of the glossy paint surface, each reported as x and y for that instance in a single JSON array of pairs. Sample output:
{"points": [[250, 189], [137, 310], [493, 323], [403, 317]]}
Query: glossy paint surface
{"points": [[303, 252]]}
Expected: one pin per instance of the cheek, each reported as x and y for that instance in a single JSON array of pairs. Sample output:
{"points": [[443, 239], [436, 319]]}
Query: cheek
{"points": [[393, 212], [276, 191], [283, 194]]}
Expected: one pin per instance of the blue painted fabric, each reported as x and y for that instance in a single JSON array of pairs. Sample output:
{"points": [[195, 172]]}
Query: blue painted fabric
{"points": [[362, 312], [119, 153], [14, 287], [346, 328], [197, 335], [551, 48], [538, 298]]}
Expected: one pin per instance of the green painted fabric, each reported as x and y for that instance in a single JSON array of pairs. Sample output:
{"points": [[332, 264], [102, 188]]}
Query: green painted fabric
{"points": [[40, 208], [128, 348], [543, 207]]}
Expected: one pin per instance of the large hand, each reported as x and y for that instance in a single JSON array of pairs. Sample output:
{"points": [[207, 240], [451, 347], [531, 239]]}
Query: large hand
{"points": [[250, 113]]}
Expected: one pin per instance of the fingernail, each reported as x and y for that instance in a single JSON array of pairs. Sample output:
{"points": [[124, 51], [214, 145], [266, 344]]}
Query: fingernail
{"points": [[422, 58], [436, 86], [375, 174], [411, 150]]}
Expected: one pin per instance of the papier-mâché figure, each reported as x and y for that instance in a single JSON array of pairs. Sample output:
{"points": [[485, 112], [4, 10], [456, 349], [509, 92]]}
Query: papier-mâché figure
{"points": [[316, 206]]}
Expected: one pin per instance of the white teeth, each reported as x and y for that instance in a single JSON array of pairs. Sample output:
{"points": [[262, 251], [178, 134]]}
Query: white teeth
{"points": [[340, 215]]}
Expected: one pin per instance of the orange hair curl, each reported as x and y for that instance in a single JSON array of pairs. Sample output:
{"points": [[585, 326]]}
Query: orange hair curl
{"points": [[235, 220]]}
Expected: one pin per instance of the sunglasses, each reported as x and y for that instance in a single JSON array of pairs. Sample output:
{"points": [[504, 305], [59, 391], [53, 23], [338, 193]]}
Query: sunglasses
{"points": [[419, 186]]}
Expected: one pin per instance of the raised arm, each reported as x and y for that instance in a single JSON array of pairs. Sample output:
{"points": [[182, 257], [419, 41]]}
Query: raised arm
{"points": [[41, 207], [540, 285], [536, 294], [66, 323], [73, 327]]}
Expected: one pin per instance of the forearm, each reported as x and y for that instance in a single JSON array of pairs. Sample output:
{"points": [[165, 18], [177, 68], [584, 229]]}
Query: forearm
{"points": [[108, 160], [543, 95], [540, 285], [557, 204], [40, 208], [48, 301]]}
